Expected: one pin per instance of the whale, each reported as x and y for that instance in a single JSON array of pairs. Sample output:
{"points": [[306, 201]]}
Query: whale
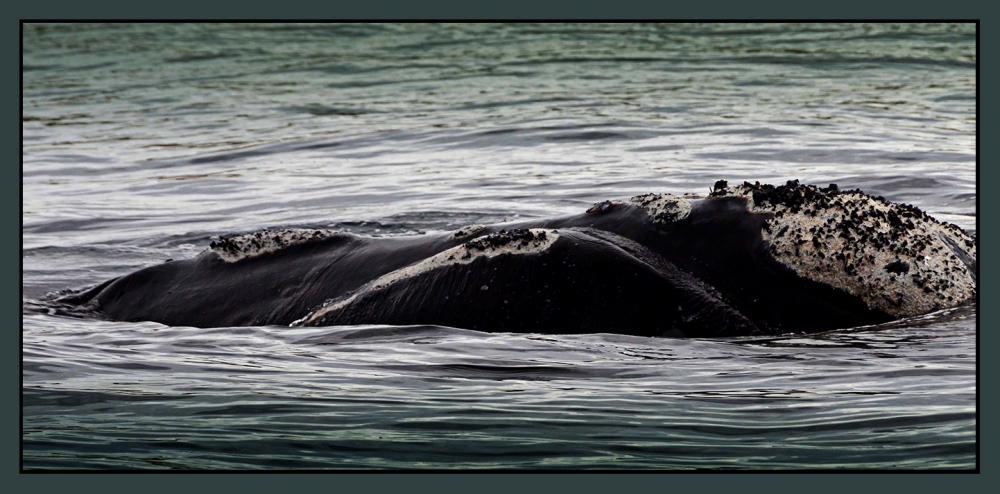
{"points": [[744, 260]]}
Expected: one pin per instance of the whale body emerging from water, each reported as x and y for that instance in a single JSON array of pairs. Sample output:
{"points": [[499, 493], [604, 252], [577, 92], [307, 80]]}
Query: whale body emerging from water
{"points": [[750, 259]]}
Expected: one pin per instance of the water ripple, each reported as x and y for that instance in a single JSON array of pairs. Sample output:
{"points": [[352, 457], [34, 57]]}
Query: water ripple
{"points": [[142, 142]]}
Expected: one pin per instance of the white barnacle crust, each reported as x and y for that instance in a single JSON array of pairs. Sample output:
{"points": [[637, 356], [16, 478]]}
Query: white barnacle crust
{"points": [[514, 242], [237, 247], [893, 256], [663, 208], [467, 231]]}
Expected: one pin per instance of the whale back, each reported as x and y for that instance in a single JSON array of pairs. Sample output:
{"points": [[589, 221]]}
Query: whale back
{"points": [[719, 242], [562, 281], [749, 259]]}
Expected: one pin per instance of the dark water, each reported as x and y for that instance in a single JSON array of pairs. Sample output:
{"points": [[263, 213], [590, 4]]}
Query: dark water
{"points": [[141, 142]]}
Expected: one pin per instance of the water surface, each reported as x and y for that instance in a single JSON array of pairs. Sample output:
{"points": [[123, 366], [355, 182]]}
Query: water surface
{"points": [[142, 142]]}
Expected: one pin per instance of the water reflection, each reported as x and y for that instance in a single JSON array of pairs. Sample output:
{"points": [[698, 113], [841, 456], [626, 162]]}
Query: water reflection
{"points": [[143, 141]]}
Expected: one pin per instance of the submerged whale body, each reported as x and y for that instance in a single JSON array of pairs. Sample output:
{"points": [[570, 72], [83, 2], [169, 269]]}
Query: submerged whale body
{"points": [[746, 260]]}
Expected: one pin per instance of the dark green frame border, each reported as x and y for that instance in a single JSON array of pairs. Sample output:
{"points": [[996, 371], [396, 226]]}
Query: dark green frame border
{"points": [[509, 10]]}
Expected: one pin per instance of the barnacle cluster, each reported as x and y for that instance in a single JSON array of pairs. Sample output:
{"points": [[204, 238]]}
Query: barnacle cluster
{"points": [[237, 247], [893, 256]]}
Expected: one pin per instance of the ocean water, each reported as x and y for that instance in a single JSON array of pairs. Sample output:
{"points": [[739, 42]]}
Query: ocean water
{"points": [[143, 141]]}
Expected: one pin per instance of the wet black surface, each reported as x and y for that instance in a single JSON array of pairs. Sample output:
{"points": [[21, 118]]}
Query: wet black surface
{"points": [[143, 142]]}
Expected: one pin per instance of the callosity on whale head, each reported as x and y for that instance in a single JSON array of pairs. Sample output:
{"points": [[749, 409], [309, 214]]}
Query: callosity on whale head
{"points": [[238, 247], [893, 256]]}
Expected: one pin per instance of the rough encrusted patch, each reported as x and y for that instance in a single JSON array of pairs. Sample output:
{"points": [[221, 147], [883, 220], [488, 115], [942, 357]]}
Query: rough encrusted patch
{"points": [[467, 231], [237, 247], [520, 241], [893, 256], [663, 208], [604, 206]]}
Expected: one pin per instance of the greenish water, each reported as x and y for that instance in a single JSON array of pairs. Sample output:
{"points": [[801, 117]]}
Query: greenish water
{"points": [[142, 141]]}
